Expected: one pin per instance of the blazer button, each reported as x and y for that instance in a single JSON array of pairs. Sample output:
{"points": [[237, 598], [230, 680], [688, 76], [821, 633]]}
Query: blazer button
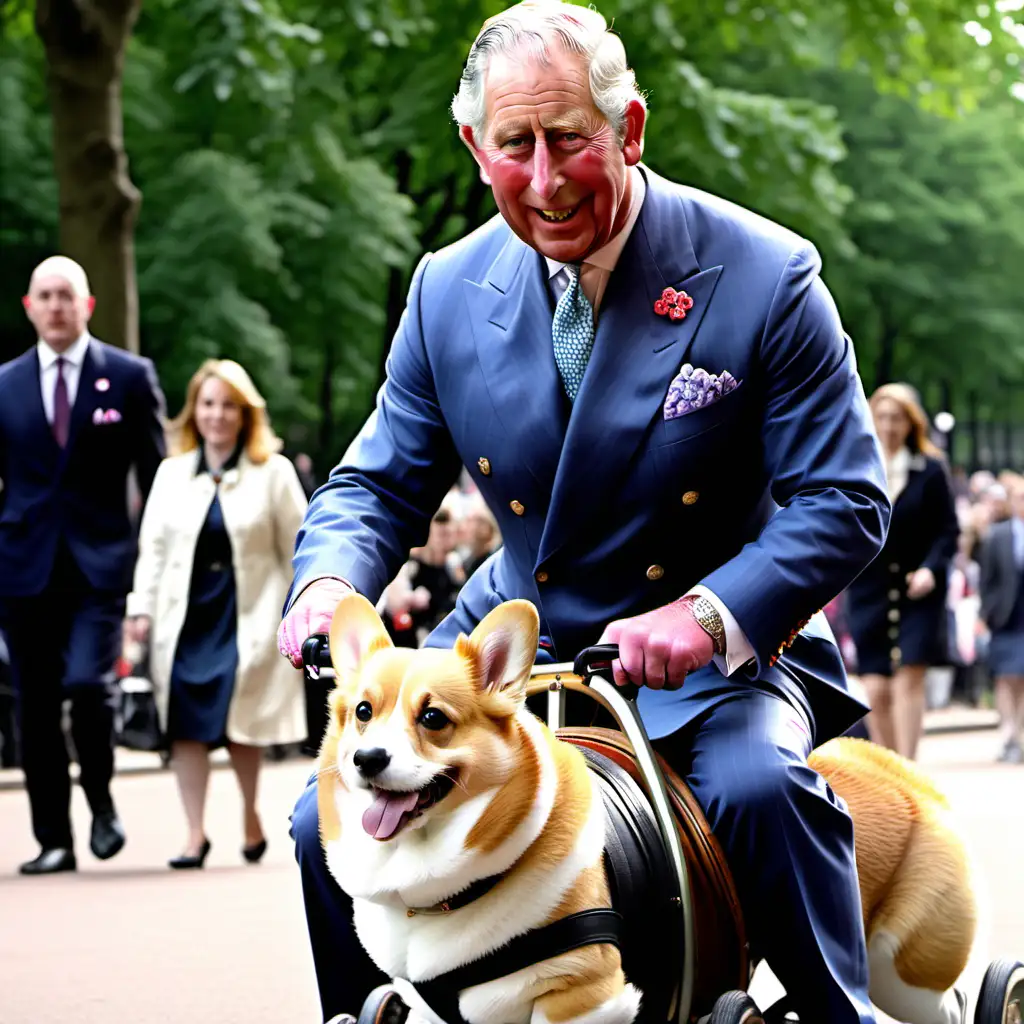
{"points": [[484, 465], [691, 497], [655, 572], [541, 576], [896, 654], [894, 595], [894, 633], [517, 506], [894, 615], [894, 567]]}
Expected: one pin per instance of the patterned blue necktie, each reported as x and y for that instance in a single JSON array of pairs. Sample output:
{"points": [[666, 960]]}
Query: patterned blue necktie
{"points": [[572, 332]]}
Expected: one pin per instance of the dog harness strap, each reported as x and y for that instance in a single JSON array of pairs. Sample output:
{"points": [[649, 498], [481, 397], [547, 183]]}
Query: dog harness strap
{"points": [[479, 888], [587, 928]]}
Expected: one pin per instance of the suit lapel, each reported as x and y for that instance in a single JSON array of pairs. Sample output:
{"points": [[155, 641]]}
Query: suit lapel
{"points": [[510, 316], [31, 386], [636, 354], [94, 362]]}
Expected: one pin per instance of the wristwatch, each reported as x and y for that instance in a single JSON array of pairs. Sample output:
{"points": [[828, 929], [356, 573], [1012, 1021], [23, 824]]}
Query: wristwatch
{"points": [[709, 620]]}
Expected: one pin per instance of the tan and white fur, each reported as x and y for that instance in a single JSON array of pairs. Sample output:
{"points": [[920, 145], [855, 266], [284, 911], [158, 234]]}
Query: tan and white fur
{"points": [[523, 805], [916, 884]]}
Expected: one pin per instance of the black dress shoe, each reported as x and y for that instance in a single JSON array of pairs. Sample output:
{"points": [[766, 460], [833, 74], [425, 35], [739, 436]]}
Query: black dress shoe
{"points": [[107, 835], [49, 862], [187, 860], [254, 853]]}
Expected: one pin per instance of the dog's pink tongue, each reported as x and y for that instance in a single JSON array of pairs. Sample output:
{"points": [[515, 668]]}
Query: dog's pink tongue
{"points": [[383, 817]]}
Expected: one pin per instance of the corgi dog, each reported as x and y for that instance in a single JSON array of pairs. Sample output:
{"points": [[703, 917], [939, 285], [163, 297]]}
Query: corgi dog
{"points": [[916, 881], [434, 776]]}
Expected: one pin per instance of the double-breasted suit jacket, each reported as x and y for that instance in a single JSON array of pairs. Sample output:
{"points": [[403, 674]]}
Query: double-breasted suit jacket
{"points": [[773, 497], [262, 505]]}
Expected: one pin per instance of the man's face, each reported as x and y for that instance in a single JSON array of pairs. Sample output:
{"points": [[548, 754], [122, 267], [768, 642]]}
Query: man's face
{"points": [[558, 174], [57, 313]]}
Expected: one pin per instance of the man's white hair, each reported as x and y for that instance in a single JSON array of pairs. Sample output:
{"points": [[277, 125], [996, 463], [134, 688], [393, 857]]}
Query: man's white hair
{"points": [[528, 29], [61, 266]]}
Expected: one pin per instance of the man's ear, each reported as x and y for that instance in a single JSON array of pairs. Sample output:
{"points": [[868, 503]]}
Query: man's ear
{"points": [[503, 647], [356, 632], [90, 306], [466, 134], [633, 140], [26, 302]]}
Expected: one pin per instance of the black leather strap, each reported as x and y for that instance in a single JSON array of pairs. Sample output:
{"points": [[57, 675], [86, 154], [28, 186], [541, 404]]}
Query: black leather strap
{"points": [[479, 888], [587, 928]]}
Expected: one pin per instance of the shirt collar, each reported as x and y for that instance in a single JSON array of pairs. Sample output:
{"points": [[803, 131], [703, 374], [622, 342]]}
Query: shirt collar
{"points": [[74, 353], [608, 255]]}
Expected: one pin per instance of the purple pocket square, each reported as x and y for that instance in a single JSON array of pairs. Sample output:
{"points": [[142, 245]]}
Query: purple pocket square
{"points": [[694, 389]]}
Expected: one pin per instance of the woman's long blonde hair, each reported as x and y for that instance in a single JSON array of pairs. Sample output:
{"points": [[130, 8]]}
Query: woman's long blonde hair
{"points": [[905, 397], [258, 439]]}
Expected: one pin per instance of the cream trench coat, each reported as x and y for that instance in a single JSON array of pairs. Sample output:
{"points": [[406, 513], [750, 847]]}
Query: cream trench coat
{"points": [[263, 506]]}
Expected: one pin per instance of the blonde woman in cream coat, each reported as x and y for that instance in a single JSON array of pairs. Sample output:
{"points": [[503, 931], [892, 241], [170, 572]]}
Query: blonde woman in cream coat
{"points": [[213, 572]]}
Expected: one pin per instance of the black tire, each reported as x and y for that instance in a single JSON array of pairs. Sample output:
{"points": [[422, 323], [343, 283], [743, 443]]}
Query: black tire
{"points": [[736, 1008], [383, 1006], [1001, 1000]]}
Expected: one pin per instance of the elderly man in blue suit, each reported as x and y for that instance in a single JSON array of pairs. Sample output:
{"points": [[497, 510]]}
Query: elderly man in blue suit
{"points": [[653, 392]]}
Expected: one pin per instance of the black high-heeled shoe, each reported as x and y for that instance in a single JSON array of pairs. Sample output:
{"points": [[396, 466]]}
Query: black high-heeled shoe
{"points": [[254, 853], [186, 860]]}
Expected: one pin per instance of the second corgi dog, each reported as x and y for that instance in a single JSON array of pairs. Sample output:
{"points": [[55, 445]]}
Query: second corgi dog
{"points": [[434, 776]]}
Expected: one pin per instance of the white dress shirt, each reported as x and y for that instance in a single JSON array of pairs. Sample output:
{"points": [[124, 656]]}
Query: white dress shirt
{"points": [[597, 269], [74, 356]]}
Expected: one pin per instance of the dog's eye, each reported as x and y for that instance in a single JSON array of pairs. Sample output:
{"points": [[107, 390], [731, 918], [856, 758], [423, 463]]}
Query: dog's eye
{"points": [[363, 711], [434, 719]]}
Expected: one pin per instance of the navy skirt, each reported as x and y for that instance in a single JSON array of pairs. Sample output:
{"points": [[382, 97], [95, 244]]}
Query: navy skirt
{"points": [[206, 658]]}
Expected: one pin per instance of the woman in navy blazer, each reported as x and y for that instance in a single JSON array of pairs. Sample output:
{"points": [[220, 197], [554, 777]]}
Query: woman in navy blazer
{"points": [[897, 607]]}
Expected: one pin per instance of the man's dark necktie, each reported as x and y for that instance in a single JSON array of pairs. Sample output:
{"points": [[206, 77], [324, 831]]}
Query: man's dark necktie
{"points": [[61, 406]]}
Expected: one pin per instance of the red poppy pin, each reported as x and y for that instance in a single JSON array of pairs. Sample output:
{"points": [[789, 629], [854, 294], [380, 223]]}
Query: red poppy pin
{"points": [[673, 304]]}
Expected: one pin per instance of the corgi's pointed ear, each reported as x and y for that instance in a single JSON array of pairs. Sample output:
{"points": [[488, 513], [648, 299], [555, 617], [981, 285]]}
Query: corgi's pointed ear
{"points": [[356, 631], [504, 646]]}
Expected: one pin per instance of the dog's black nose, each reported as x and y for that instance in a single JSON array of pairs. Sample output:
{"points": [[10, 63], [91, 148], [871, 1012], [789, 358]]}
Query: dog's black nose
{"points": [[371, 761]]}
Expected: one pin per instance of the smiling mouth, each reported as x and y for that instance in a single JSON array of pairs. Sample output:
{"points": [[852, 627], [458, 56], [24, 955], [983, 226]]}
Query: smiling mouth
{"points": [[391, 811], [557, 216]]}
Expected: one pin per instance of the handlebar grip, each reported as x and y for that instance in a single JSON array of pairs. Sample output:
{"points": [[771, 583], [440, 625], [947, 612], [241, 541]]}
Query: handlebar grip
{"points": [[316, 652], [599, 658]]}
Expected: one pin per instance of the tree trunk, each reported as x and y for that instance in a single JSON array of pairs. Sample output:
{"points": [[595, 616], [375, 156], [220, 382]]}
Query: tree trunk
{"points": [[85, 42]]}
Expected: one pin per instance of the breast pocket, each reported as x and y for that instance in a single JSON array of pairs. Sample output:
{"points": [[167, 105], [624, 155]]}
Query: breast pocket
{"points": [[727, 409]]}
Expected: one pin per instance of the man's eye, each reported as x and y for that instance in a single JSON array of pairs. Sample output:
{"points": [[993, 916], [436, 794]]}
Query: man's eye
{"points": [[516, 143], [363, 711], [570, 136], [434, 719]]}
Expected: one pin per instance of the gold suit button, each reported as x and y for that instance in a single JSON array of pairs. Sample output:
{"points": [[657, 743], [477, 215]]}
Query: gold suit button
{"points": [[894, 567], [894, 615], [541, 577], [691, 497], [484, 465], [894, 595], [896, 654], [894, 633], [517, 506], [655, 572]]}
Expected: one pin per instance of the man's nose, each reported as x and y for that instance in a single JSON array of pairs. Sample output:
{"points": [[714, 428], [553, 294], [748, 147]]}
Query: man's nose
{"points": [[371, 761], [546, 179]]}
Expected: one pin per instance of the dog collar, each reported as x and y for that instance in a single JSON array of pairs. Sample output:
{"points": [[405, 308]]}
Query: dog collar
{"points": [[479, 888]]}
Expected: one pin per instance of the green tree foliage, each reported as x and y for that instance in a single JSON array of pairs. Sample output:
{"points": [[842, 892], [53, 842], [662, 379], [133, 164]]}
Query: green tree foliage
{"points": [[296, 158]]}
